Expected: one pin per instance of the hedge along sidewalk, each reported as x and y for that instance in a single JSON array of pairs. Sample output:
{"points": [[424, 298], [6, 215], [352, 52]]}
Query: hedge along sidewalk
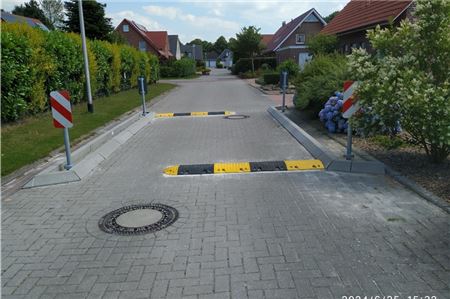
{"points": [[36, 138]]}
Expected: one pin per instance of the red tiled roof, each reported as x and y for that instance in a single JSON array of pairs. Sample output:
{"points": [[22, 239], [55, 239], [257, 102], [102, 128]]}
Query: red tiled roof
{"points": [[362, 13], [266, 38], [161, 40], [284, 31], [142, 31]]}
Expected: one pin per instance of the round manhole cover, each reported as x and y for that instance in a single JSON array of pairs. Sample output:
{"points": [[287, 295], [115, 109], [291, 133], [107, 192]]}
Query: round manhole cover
{"points": [[138, 219], [236, 116]]}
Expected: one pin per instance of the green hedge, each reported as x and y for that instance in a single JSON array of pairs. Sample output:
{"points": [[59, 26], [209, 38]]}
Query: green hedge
{"points": [[35, 62], [245, 64], [179, 68], [271, 78]]}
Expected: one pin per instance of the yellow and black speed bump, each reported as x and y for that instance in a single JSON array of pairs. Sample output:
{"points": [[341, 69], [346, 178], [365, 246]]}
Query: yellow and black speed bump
{"points": [[197, 113], [240, 167]]}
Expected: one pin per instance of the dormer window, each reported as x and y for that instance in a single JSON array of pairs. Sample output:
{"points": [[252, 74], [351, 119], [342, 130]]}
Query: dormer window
{"points": [[126, 28], [300, 39]]}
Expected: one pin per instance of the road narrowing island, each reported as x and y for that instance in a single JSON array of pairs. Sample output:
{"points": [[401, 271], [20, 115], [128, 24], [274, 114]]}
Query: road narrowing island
{"points": [[244, 167], [195, 114]]}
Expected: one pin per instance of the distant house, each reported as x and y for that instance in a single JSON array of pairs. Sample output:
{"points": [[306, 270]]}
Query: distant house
{"points": [[137, 36], [265, 39], [161, 40], [291, 39], [353, 21], [10, 18], [211, 58], [175, 46], [192, 51], [226, 57]]}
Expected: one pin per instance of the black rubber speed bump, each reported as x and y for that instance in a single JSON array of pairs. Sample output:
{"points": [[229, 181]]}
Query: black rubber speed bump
{"points": [[240, 167], [198, 113]]}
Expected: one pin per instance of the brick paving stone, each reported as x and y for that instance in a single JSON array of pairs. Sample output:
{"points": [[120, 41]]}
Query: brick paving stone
{"points": [[263, 235]]}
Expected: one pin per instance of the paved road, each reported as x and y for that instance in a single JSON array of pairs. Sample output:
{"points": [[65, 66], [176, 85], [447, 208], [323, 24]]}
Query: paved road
{"points": [[272, 235]]}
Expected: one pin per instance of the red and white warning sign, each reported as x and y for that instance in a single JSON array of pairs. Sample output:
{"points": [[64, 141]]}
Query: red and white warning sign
{"points": [[350, 104], [61, 109]]}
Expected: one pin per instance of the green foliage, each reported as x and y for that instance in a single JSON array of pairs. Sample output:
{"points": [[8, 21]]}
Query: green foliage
{"points": [[247, 43], [219, 65], [290, 66], [35, 62], [388, 142], [320, 78], [271, 78], [248, 75], [184, 67], [331, 16], [220, 44], [32, 10], [206, 45], [323, 44], [54, 11], [409, 80], [245, 64], [97, 26]]}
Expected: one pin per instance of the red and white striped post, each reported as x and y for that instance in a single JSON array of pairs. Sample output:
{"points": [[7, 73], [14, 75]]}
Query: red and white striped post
{"points": [[62, 118], [349, 107]]}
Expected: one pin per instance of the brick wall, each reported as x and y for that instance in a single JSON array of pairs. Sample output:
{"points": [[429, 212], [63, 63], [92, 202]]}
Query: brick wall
{"points": [[134, 37]]}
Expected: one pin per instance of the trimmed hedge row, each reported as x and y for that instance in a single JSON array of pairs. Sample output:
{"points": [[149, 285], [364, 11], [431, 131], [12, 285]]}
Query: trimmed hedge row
{"points": [[35, 62], [179, 68], [245, 64]]}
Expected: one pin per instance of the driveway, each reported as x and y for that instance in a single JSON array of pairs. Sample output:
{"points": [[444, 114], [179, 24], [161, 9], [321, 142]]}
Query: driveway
{"points": [[313, 234]]}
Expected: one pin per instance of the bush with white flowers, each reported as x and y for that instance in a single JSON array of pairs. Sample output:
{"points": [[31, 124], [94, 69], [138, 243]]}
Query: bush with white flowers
{"points": [[408, 78]]}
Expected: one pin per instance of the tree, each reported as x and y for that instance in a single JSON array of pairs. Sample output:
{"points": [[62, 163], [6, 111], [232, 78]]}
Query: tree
{"points": [[32, 10], [207, 46], [220, 44], [53, 11], [97, 26], [247, 43], [331, 16], [408, 80], [323, 44]]}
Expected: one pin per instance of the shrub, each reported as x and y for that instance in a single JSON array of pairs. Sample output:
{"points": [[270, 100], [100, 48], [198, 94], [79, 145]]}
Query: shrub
{"points": [[179, 68], [166, 71], [35, 62], [322, 76], [199, 63], [154, 68], [265, 67], [290, 66], [388, 142], [271, 78], [408, 79], [245, 64], [323, 44], [219, 65], [247, 75]]}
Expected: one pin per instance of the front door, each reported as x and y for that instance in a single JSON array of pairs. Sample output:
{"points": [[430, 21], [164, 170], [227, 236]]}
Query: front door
{"points": [[303, 58]]}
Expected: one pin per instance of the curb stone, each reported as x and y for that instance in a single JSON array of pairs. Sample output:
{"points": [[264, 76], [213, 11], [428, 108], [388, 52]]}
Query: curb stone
{"points": [[371, 167]]}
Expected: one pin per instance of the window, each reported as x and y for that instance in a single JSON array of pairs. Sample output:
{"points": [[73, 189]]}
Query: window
{"points": [[125, 28], [142, 45], [299, 38], [363, 45], [346, 48]]}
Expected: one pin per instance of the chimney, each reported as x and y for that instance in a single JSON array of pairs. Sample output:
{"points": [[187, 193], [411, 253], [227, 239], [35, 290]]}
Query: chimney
{"points": [[283, 23]]}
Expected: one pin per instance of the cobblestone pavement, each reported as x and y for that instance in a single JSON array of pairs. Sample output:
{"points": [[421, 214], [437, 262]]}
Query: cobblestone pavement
{"points": [[263, 235]]}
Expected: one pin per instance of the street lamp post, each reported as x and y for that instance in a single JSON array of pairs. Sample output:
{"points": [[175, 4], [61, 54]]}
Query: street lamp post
{"points": [[193, 56], [85, 55]]}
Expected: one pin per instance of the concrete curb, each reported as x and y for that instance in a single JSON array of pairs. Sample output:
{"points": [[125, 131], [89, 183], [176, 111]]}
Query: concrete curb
{"points": [[318, 151], [88, 156], [371, 167]]}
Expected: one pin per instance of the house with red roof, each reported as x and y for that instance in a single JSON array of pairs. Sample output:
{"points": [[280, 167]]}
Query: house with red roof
{"points": [[265, 39], [155, 42], [351, 24], [291, 39]]}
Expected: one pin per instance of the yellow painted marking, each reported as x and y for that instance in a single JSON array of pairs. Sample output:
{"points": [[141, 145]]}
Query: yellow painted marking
{"points": [[303, 165], [172, 170], [164, 115], [229, 113], [199, 113], [231, 167]]}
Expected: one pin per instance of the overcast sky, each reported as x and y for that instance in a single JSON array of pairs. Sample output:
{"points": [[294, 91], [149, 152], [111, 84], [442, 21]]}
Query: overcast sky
{"points": [[208, 19]]}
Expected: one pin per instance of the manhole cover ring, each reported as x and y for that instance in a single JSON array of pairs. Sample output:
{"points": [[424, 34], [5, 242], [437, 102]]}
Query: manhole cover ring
{"points": [[120, 221], [236, 116]]}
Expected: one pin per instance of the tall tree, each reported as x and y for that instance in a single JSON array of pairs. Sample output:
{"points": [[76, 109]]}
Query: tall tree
{"points": [[206, 45], [53, 11], [97, 26], [32, 10], [220, 44], [248, 43], [331, 16]]}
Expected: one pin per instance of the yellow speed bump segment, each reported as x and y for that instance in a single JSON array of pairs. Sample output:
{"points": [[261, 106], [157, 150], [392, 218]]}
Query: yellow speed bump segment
{"points": [[163, 115], [293, 165], [244, 167], [199, 113], [231, 167]]}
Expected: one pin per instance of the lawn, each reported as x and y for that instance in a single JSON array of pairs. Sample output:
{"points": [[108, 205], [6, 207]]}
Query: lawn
{"points": [[34, 138]]}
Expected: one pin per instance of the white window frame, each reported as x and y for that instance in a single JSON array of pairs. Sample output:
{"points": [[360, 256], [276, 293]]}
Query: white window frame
{"points": [[297, 37], [126, 28]]}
